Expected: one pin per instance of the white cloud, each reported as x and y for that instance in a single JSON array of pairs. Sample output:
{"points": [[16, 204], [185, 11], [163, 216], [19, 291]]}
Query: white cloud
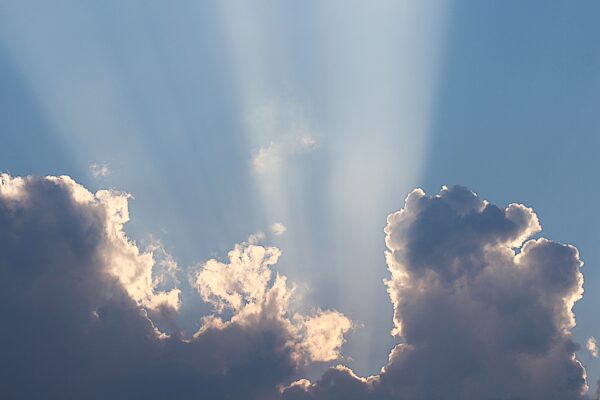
{"points": [[324, 335], [133, 267], [99, 170], [278, 228], [247, 286], [244, 281], [592, 346]]}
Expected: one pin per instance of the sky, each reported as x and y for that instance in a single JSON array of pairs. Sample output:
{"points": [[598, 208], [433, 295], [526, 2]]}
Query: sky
{"points": [[238, 163]]}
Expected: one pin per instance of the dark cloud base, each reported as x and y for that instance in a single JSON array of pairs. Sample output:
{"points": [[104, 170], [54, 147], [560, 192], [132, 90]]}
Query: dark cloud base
{"points": [[480, 312], [71, 331]]}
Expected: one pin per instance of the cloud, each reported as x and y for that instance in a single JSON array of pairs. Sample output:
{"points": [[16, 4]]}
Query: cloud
{"points": [[243, 283], [481, 311], [246, 286], [99, 170], [324, 334], [278, 228], [281, 131], [256, 238], [80, 301], [592, 346], [270, 157]]}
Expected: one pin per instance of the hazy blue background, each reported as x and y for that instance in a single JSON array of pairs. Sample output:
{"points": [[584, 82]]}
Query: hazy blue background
{"points": [[177, 99]]}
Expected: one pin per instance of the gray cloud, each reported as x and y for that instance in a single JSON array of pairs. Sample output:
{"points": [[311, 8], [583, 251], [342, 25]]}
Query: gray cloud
{"points": [[78, 300], [480, 311]]}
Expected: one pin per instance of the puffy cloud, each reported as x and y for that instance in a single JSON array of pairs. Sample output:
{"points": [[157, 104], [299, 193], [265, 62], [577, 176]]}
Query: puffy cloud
{"points": [[247, 286], [121, 257], [324, 335], [592, 346], [124, 260], [79, 300], [481, 311], [243, 282]]}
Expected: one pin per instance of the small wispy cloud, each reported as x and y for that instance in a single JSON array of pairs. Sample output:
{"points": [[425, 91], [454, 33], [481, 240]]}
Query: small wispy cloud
{"points": [[277, 228], [284, 131], [256, 238], [592, 346], [271, 156], [99, 170]]}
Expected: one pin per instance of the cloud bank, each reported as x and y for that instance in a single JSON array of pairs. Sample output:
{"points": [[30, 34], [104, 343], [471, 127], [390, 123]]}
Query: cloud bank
{"points": [[481, 310], [79, 301]]}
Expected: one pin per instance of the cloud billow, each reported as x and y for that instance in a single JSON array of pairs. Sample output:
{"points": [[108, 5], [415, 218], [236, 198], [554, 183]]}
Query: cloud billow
{"points": [[480, 310], [78, 301]]}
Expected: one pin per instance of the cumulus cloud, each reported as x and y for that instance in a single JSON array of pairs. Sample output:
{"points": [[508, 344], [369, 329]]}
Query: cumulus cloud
{"points": [[99, 170], [592, 346], [134, 268], [243, 282], [324, 334], [79, 301], [278, 228], [481, 310], [247, 286]]}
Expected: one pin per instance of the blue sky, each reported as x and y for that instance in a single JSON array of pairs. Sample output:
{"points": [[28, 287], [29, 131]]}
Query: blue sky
{"points": [[221, 118]]}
